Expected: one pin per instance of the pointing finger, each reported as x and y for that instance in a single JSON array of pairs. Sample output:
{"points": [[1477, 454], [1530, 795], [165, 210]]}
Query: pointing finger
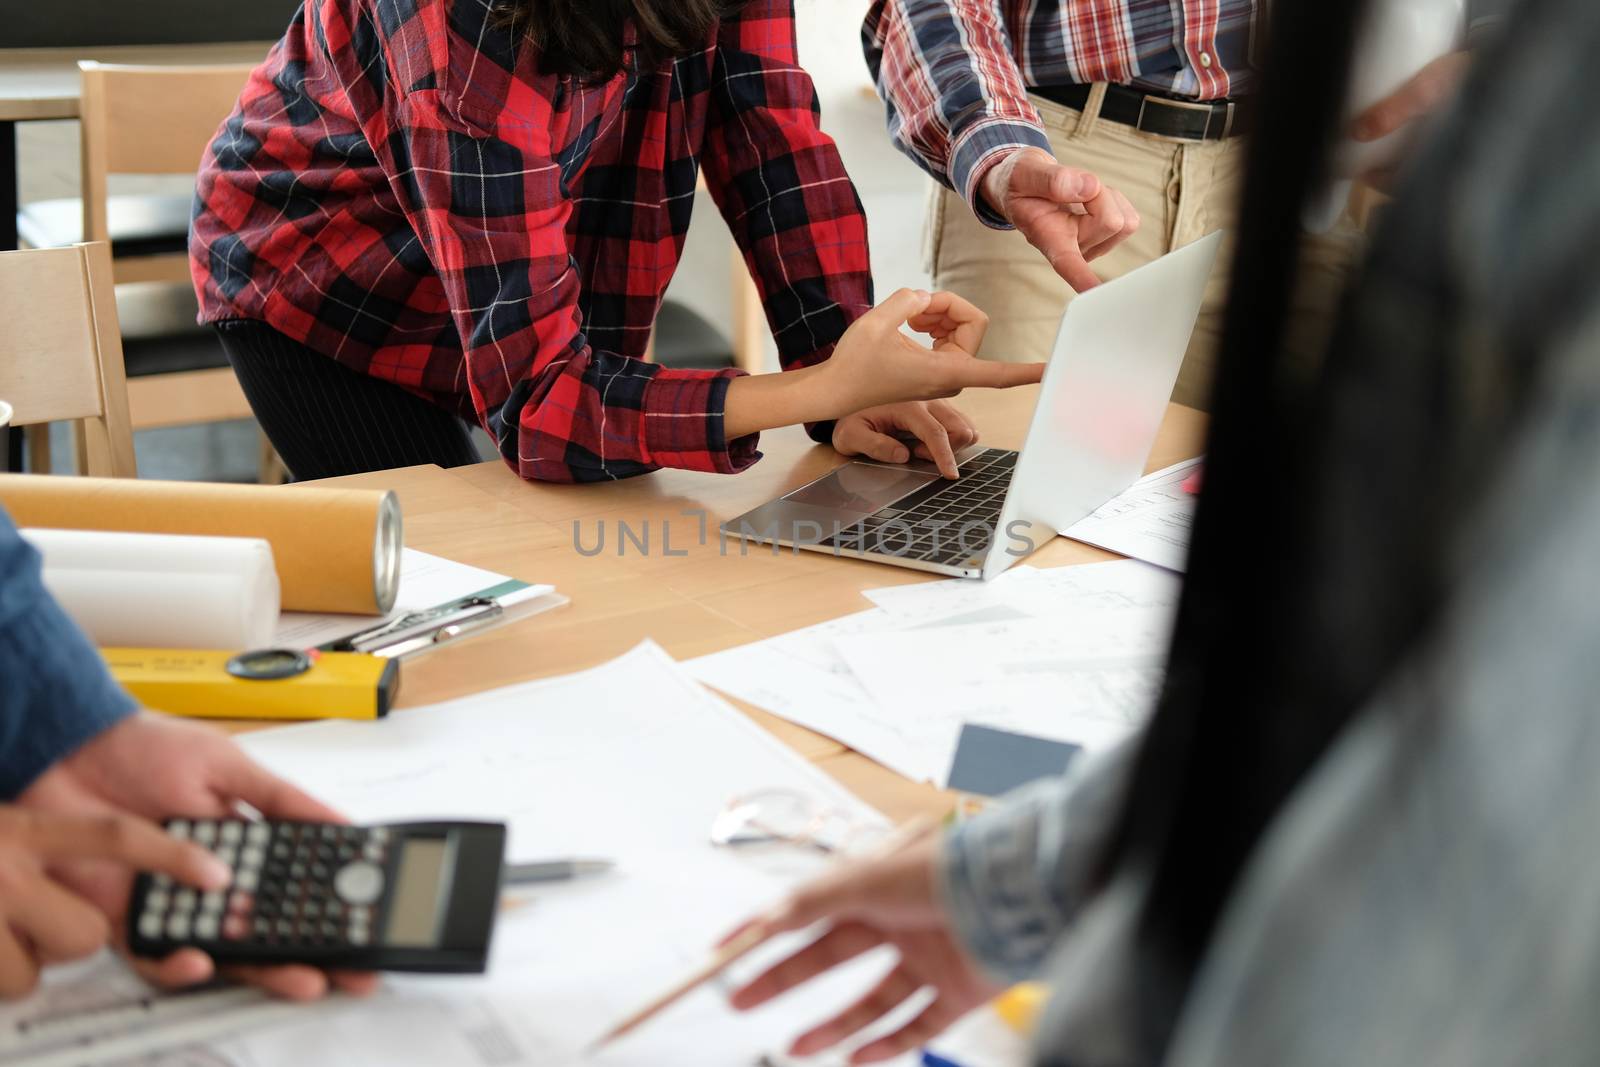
{"points": [[982, 374], [931, 432], [962, 432]]}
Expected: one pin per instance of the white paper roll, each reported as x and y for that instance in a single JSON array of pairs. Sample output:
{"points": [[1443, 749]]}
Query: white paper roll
{"points": [[135, 590]]}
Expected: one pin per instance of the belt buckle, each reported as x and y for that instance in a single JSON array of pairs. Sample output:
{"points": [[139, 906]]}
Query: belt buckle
{"points": [[1183, 105]]}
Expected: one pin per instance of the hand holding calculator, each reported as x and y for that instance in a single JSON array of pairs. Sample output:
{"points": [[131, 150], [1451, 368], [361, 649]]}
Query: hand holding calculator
{"points": [[403, 897]]}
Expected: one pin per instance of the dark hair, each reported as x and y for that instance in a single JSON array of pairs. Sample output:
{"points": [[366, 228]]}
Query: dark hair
{"points": [[1247, 708], [592, 39]]}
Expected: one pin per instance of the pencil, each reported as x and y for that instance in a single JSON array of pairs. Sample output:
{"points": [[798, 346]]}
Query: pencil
{"points": [[740, 946], [718, 963]]}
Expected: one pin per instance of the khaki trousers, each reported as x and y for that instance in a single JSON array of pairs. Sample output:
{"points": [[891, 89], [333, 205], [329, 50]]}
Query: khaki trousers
{"points": [[1182, 192]]}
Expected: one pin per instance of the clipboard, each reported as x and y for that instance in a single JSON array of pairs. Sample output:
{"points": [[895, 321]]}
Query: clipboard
{"points": [[416, 632]]}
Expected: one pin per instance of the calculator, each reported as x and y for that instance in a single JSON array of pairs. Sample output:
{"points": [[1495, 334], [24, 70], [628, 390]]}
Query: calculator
{"points": [[403, 897]]}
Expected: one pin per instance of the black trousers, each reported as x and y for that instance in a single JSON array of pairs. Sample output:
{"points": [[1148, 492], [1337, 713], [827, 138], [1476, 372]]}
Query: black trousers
{"points": [[326, 420]]}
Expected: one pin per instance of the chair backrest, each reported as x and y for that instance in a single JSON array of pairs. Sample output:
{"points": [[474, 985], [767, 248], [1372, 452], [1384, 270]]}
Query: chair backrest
{"points": [[61, 352], [149, 120]]}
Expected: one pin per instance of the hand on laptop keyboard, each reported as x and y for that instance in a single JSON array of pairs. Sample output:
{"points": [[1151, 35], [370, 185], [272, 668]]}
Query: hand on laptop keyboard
{"points": [[893, 433]]}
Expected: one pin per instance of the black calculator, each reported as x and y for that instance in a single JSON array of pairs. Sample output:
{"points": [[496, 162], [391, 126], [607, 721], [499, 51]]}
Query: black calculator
{"points": [[404, 897]]}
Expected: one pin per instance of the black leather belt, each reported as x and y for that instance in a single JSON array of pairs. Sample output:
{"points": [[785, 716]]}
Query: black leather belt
{"points": [[1159, 116]]}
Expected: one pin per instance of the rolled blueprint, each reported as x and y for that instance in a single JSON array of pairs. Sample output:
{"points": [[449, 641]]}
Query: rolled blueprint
{"points": [[135, 590], [335, 549]]}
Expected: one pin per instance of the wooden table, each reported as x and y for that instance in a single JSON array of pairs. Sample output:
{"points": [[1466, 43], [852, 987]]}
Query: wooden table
{"points": [[692, 603]]}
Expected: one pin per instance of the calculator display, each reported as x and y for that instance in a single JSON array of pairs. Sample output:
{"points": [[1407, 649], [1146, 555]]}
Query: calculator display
{"points": [[415, 914]]}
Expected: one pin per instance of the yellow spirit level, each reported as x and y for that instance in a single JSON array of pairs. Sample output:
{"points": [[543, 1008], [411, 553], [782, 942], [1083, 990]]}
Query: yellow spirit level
{"points": [[272, 683]]}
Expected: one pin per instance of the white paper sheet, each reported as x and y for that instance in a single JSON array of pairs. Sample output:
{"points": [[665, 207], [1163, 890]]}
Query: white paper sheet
{"points": [[1088, 679], [425, 581], [1030, 591], [799, 676], [803, 677], [1151, 520], [633, 761]]}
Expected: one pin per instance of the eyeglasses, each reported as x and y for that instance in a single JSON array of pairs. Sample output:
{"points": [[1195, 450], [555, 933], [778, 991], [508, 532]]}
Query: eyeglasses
{"points": [[790, 817]]}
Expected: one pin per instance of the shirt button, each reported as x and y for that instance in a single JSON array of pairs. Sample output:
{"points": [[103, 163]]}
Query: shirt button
{"points": [[1205, 59]]}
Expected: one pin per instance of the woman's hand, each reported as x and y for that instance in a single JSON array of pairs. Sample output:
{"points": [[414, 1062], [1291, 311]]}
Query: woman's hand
{"points": [[878, 433], [874, 364], [152, 767], [43, 921], [890, 900]]}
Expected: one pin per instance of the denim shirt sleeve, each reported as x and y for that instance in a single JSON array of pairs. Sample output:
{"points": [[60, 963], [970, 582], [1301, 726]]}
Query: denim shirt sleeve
{"points": [[1012, 879], [55, 691]]}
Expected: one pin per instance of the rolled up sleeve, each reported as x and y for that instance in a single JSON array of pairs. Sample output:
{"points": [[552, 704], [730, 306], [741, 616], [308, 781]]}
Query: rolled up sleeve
{"points": [[1013, 878]]}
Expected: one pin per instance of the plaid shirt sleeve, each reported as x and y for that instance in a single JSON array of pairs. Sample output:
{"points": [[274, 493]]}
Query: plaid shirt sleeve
{"points": [[485, 196], [957, 102], [782, 188]]}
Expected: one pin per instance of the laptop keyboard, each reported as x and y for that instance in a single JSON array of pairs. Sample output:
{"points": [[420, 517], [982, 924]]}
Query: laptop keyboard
{"points": [[944, 522]]}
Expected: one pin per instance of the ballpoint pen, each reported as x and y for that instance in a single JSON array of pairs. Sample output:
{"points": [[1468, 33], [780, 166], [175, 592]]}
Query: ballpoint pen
{"points": [[553, 870]]}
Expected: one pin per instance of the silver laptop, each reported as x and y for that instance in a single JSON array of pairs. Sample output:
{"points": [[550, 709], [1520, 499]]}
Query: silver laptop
{"points": [[1104, 395]]}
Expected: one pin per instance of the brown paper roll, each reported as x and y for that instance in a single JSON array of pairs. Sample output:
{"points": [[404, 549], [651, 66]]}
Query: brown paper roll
{"points": [[336, 549]]}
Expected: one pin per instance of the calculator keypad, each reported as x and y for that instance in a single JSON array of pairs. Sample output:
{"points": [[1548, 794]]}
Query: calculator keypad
{"points": [[297, 887]]}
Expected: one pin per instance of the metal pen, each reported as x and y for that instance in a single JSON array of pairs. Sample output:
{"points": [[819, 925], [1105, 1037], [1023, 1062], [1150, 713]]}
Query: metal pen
{"points": [[553, 870]]}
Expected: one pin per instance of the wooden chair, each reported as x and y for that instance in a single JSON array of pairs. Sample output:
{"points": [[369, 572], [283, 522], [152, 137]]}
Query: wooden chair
{"points": [[151, 121], [61, 353], [684, 339]]}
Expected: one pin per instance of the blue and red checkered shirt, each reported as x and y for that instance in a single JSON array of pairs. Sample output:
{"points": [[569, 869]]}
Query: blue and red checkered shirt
{"points": [[956, 73], [402, 190]]}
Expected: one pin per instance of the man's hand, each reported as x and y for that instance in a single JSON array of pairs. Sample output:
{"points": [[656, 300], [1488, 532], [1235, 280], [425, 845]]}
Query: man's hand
{"points": [[940, 429], [891, 900], [1068, 214], [41, 920], [156, 768]]}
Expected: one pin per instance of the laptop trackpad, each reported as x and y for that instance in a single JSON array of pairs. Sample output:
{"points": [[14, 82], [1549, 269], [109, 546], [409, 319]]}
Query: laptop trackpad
{"points": [[860, 487]]}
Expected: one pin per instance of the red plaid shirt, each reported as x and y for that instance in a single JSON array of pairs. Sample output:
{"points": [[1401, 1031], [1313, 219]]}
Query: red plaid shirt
{"points": [[401, 190], [956, 73]]}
